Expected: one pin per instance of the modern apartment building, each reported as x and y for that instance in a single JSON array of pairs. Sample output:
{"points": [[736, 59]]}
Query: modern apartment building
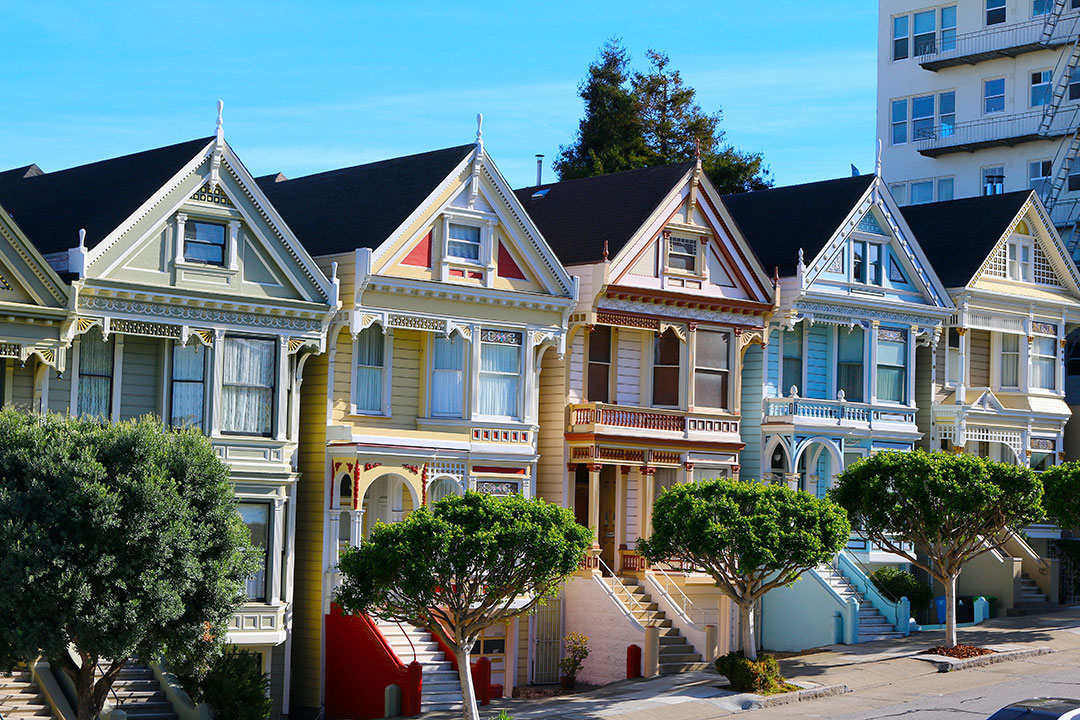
{"points": [[979, 97]]}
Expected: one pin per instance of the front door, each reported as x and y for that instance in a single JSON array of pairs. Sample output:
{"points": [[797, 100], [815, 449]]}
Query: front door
{"points": [[607, 515]]}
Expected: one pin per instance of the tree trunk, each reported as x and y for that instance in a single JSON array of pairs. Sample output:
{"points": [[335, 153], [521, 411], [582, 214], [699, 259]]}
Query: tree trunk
{"points": [[950, 611], [84, 692], [469, 711], [746, 626]]}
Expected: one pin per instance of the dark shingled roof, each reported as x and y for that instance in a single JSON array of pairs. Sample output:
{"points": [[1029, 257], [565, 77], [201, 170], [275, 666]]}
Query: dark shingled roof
{"points": [[957, 235], [358, 207], [52, 207], [779, 221], [577, 216]]}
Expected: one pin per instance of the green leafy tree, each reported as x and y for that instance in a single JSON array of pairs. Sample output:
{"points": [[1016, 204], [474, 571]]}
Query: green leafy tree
{"points": [[236, 686], [609, 137], [950, 508], [749, 537], [466, 564], [120, 540], [1061, 484]]}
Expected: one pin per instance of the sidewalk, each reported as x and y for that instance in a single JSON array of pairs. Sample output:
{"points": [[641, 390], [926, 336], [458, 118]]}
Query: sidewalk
{"points": [[880, 671]]}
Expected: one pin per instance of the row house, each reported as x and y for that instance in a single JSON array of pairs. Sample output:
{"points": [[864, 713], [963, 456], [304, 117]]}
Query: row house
{"points": [[163, 283], [452, 302], [649, 393]]}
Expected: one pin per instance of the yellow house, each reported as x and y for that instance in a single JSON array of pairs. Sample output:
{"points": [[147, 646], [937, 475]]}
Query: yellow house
{"points": [[451, 298]]}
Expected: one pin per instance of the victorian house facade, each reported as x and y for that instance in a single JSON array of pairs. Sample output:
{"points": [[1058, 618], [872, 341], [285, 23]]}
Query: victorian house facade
{"points": [[186, 298], [649, 393], [452, 302]]}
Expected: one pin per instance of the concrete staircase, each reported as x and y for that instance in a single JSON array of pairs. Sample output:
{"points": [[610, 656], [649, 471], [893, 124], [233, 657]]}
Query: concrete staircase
{"points": [[872, 624], [1031, 599], [139, 694], [441, 688], [21, 698], [676, 654]]}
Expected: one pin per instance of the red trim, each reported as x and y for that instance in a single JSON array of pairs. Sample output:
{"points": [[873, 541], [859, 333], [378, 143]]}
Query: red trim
{"points": [[481, 672], [507, 267], [499, 470], [420, 255]]}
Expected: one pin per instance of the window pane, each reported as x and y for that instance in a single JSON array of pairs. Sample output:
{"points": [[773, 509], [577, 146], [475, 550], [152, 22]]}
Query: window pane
{"points": [[666, 386], [499, 358], [248, 391], [666, 349], [682, 254], [95, 396], [944, 189], [197, 252], [858, 266], [994, 96], [712, 349], [600, 344], [189, 361], [900, 37], [891, 352], [498, 395], [1041, 7], [188, 367], [1040, 88], [599, 374], [1010, 360], [369, 347], [464, 242], [95, 375], [257, 518], [711, 388], [922, 192], [850, 345], [449, 353], [891, 384], [204, 242], [369, 388], [447, 392], [849, 378]]}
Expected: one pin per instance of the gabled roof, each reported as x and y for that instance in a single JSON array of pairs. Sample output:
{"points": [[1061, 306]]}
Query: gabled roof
{"points": [[51, 207], [359, 207], [780, 221], [578, 216], [957, 235]]}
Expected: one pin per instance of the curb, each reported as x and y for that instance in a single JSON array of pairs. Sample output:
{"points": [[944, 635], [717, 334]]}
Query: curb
{"points": [[799, 696], [945, 666]]}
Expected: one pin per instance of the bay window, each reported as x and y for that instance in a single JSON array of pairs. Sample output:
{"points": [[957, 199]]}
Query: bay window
{"points": [[464, 242], [1009, 357], [712, 376], [599, 363], [256, 517], [500, 373], [892, 365], [370, 358], [247, 391], [95, 375], [792, 364], [666, 351], [447, 384], [1044, 361], [849, 365], [187, 385]]}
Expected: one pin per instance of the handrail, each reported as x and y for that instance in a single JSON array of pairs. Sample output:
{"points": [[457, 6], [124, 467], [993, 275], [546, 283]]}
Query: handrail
{"points": [[901, 609], [407, 638], [621, 585], [686, 600], [868, 573]]}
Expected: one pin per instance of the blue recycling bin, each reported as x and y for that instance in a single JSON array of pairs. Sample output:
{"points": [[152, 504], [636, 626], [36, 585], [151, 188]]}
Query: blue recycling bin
{"points": [[940, 605]]}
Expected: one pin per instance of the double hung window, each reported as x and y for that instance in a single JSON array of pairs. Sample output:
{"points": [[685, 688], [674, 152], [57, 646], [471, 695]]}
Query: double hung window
{"points": [[995, 12], [256, 517], [500, 373], [945, 189], [901, 37], [948, 28], [370, 358], [867, 265], [993, 96], [1009, 358], [187, 392], [447, 376], [204, 242], [464, 242], [1040, 87], [954, 362], [849, 366], [1041, 7], [899, 121], [925, 32], [712, 369], [599, 363], [682, 254], [1044, 361], [1039, 172], [792, 364], [95, 375], [1019, 261], [947, 113], [892, 365], [1074, 83], [247, 392], [922, 191], [666, 352], [922, 117]]}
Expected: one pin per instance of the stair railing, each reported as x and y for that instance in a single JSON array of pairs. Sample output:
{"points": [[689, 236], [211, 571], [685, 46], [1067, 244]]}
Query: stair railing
{"points": [[407, 638], [615, 596], [685, 604], [900, 607]]}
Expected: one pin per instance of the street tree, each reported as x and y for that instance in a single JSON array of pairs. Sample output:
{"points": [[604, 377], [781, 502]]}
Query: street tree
{"points": [[938, 510], [751, 538], [466, 564], [1061, 485], [119, 540]]}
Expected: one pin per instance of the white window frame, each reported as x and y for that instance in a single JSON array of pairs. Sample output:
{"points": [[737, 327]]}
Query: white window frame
{"points": [[478, 260], [430, 372], [230, 250], [894, 123], [998, 361], [987, 9], [388, 354], [519, 410], [485, 264], [946, 33], [1046, 170], [699, 260], [906, 37], [1057, 363], [881, 248], [1003, 95], [1015, 253], [207, 384], [1047, 84], [932, 33]]}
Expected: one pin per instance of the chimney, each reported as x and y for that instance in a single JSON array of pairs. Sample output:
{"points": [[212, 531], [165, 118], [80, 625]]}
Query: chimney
{"points": [[539, 169]]}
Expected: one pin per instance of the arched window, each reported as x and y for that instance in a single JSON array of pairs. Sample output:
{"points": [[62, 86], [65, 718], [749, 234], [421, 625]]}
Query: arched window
{"points": [[441, 488], [345, 492]]}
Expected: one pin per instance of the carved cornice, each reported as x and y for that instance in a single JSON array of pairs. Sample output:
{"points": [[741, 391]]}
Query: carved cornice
{"points": [[198, 314], [675, 311], [844, 315]]}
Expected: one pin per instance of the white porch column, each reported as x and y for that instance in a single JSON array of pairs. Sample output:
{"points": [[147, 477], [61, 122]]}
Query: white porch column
{"points": [[282, 398], [117, 376], [961, 385], [594, 503], [178, 246], [871, 364], [648, 496], [277, 544], [217, 377], [334, 533], [356, 531]]}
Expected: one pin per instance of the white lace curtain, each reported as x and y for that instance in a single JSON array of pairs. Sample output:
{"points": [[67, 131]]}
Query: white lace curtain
{"points": [[447, 387], [500, 367], [188, 372], [369, 369], [95, 375], [247, 393]]}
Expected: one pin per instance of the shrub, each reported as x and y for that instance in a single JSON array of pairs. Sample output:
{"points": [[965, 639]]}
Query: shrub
{"points": [[901, 583], [236, 687], [577, 649], [759, 676]]}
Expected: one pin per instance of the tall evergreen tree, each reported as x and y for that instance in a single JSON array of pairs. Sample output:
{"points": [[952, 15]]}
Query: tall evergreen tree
{"points": [[609, 137]]}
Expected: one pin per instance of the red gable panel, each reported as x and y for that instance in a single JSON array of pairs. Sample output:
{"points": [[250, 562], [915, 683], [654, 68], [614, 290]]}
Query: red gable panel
{"points": [[507, 267], [421, 254]]}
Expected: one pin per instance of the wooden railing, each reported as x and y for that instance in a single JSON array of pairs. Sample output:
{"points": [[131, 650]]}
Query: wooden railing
{"points": [[778, 409], [650, 419]]}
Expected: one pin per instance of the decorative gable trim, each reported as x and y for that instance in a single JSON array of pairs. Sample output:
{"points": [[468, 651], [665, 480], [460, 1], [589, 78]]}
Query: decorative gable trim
{"points": [[34, 261]]}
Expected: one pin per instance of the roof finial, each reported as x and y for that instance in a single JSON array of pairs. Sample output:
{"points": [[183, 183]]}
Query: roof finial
{"points": [[775, 275], [220, 132], [605, 251], [480, 131], [82, 237], [800, 256], [697, 150], [877, 168]]}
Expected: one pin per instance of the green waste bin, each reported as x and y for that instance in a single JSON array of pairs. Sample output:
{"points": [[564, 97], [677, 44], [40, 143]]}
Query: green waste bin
{"points": [[992, 601]]}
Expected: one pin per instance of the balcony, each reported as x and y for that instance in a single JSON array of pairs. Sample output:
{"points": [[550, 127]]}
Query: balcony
{"points": [[259, 624], [1007, 40], [837, 413], [994, 131], [605, 419]]}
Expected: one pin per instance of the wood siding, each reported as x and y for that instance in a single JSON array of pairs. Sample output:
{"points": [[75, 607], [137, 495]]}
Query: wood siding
{"points": [[978, 358], [141, 375], [628, 362], [750, 456], [551, 467]]}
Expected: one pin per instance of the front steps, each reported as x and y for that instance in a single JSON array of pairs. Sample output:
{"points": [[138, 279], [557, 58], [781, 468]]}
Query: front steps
{"points": [[441, 687], [137, 692], [676, 654], [20, 697], [1031, 599], [872, 624]]}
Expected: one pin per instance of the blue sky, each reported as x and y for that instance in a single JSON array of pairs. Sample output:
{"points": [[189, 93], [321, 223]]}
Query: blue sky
{"points": [[317, 85]]}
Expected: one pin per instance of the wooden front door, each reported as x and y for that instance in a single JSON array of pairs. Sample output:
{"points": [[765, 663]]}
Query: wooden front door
{"points": [[608, 506]]}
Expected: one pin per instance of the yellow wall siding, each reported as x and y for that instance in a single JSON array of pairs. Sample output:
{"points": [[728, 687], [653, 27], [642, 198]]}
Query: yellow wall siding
{"points": [[522, 677], [978, 358], [404, 383], [551, 468], [923, 394]]}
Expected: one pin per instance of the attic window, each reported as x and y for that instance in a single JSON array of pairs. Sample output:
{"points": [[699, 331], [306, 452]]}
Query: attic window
{"points": [[204, 243], [540, 193], [682, 254], [464, 242], [870, 224]]}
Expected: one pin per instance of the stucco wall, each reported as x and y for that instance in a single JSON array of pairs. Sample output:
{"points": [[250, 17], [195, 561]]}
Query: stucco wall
{"points": [[801, 616], [590, 611]]}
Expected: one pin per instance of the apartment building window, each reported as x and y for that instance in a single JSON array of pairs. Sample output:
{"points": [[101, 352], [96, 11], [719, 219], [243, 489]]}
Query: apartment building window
{"points": [[922, 191], [993, 180], [256, 517], [948, 28], [666, 350], [187, 391], [464, 242], [1039, 175], [682, 254], [1009, 357], [447, 375], [945, 189], [899, 192], [1019, 262], [95, 375], [1074, 180], [994, 96], [954, 361], [892, 365], [947, 113], [900, 37], [599, 363], [849, 366], [370, 362], [922, 117], [792, 364], [1041, 7], [247, 392], [1044, 363], [925, 32], [500, 373], [1040, 87], [712, 370], [995, 12], [1074, 80], [204, 242], [899, 121]]}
